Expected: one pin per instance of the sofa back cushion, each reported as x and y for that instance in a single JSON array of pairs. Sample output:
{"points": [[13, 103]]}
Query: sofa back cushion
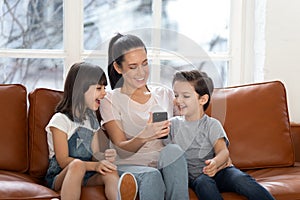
{"points": [[256, 120], [42, 106], [13, 131]]}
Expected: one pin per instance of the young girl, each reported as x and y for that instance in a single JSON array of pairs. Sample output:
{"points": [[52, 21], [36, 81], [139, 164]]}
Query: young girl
{"points": [[72, 135], [205, 142]]}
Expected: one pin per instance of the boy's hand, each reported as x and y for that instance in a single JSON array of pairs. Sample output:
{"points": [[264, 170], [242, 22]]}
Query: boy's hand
{"points": [[211, 168], [110, 155], [226, 164]]}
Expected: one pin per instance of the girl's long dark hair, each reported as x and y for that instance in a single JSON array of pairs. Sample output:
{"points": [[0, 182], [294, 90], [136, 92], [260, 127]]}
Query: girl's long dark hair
{"points": [[80, 77], [118, 46]]}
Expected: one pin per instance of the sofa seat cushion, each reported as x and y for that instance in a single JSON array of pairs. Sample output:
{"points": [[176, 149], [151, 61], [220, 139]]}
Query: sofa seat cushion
{"points": [[14, 185], [94, 192], [282, 182]]}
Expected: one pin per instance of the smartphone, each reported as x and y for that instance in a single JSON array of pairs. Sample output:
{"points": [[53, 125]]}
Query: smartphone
{"points": [[158, 117]]}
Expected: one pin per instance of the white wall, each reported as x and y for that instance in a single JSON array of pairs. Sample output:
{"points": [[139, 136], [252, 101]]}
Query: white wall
{"points": [[282, 53]]}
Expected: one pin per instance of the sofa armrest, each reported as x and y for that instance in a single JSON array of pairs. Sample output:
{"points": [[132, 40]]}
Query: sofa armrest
{"points": [[13, 132], [295, 131]]}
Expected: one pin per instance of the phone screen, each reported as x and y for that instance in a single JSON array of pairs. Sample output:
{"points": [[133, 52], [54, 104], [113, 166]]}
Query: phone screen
{"points": [[158, 117]]}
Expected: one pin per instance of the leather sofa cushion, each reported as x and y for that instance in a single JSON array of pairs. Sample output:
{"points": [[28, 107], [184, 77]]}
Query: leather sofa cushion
{"points": [[94, 192], [282, 182], [15, 185], [42, 106], [13, 132], [256, 120], [295, 130]]}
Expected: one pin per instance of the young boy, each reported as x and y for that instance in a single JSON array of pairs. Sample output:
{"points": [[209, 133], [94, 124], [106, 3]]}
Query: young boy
{"points": [[205, 142]]}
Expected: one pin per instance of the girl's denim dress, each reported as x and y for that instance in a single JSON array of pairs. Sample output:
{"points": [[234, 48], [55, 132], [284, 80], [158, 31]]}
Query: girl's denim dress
{"points": [[79, 147]]}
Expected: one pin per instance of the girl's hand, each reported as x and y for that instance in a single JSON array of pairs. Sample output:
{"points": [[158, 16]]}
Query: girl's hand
{"points": [[211, 168], [104, 166], [110, 155]]}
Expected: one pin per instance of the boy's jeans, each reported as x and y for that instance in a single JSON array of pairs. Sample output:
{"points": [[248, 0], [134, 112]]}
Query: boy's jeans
{"points": [[229, 179]]}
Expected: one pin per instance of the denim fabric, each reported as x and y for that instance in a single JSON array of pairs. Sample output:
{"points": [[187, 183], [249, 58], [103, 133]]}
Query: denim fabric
{"points": [[79, 146], [229, 179], [169, 181]]}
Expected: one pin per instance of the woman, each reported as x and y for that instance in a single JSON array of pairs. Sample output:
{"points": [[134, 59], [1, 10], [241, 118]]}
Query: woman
{"points": [[161, 172]]}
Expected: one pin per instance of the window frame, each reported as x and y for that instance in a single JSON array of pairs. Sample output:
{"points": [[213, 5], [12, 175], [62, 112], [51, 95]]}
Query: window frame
{"points": [[239, 57]]}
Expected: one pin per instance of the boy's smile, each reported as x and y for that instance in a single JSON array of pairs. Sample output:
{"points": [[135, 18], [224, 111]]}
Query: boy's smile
{"points": [[188, 101]]}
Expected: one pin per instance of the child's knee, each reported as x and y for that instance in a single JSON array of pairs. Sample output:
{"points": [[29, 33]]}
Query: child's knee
{"points": [[153, 177], [77, 166], [204, 181]]}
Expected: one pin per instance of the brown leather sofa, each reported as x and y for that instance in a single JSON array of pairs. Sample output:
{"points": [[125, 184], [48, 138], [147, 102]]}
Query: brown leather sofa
{"points": [[263, 141]]}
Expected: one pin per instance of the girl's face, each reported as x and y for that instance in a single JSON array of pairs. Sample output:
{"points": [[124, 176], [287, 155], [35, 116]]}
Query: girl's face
{"points": [[93, 95], [187, 100], [135, 69]]}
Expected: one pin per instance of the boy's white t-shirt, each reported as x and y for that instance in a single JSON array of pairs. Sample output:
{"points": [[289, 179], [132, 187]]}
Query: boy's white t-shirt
{"points": [[62, 122], [134, 116]]}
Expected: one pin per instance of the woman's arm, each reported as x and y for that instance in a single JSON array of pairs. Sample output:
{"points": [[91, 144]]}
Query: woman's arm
{"points": [[221, 157], [126, 146]]}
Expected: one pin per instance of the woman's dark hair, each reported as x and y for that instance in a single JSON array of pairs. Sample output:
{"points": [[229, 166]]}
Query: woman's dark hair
{"points": [[118, 46], [80, 77], [202, 83]]}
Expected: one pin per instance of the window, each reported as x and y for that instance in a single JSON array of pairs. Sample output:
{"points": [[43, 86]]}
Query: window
{"points": [[31, 48], [41, 39], [174, 41]]}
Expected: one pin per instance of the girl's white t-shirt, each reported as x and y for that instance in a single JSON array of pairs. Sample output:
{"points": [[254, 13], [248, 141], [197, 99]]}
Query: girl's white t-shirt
{"points": [[134, 116], [63, 123]]}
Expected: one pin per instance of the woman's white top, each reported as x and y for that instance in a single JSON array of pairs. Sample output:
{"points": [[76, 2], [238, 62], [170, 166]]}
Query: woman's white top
{"points": [[134, 116]]}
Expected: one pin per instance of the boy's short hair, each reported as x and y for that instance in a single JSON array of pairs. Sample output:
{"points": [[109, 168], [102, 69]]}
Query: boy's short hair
{"points": [[202, 83]]}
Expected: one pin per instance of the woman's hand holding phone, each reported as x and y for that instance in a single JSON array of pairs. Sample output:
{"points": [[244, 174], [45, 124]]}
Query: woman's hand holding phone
{"points": [[159, 117], [157, 127]]}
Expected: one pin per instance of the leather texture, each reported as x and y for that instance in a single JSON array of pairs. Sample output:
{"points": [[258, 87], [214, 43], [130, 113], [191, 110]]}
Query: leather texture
{"points": [[42, 106], [256, 120], [13, 132], [263, 142]]}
